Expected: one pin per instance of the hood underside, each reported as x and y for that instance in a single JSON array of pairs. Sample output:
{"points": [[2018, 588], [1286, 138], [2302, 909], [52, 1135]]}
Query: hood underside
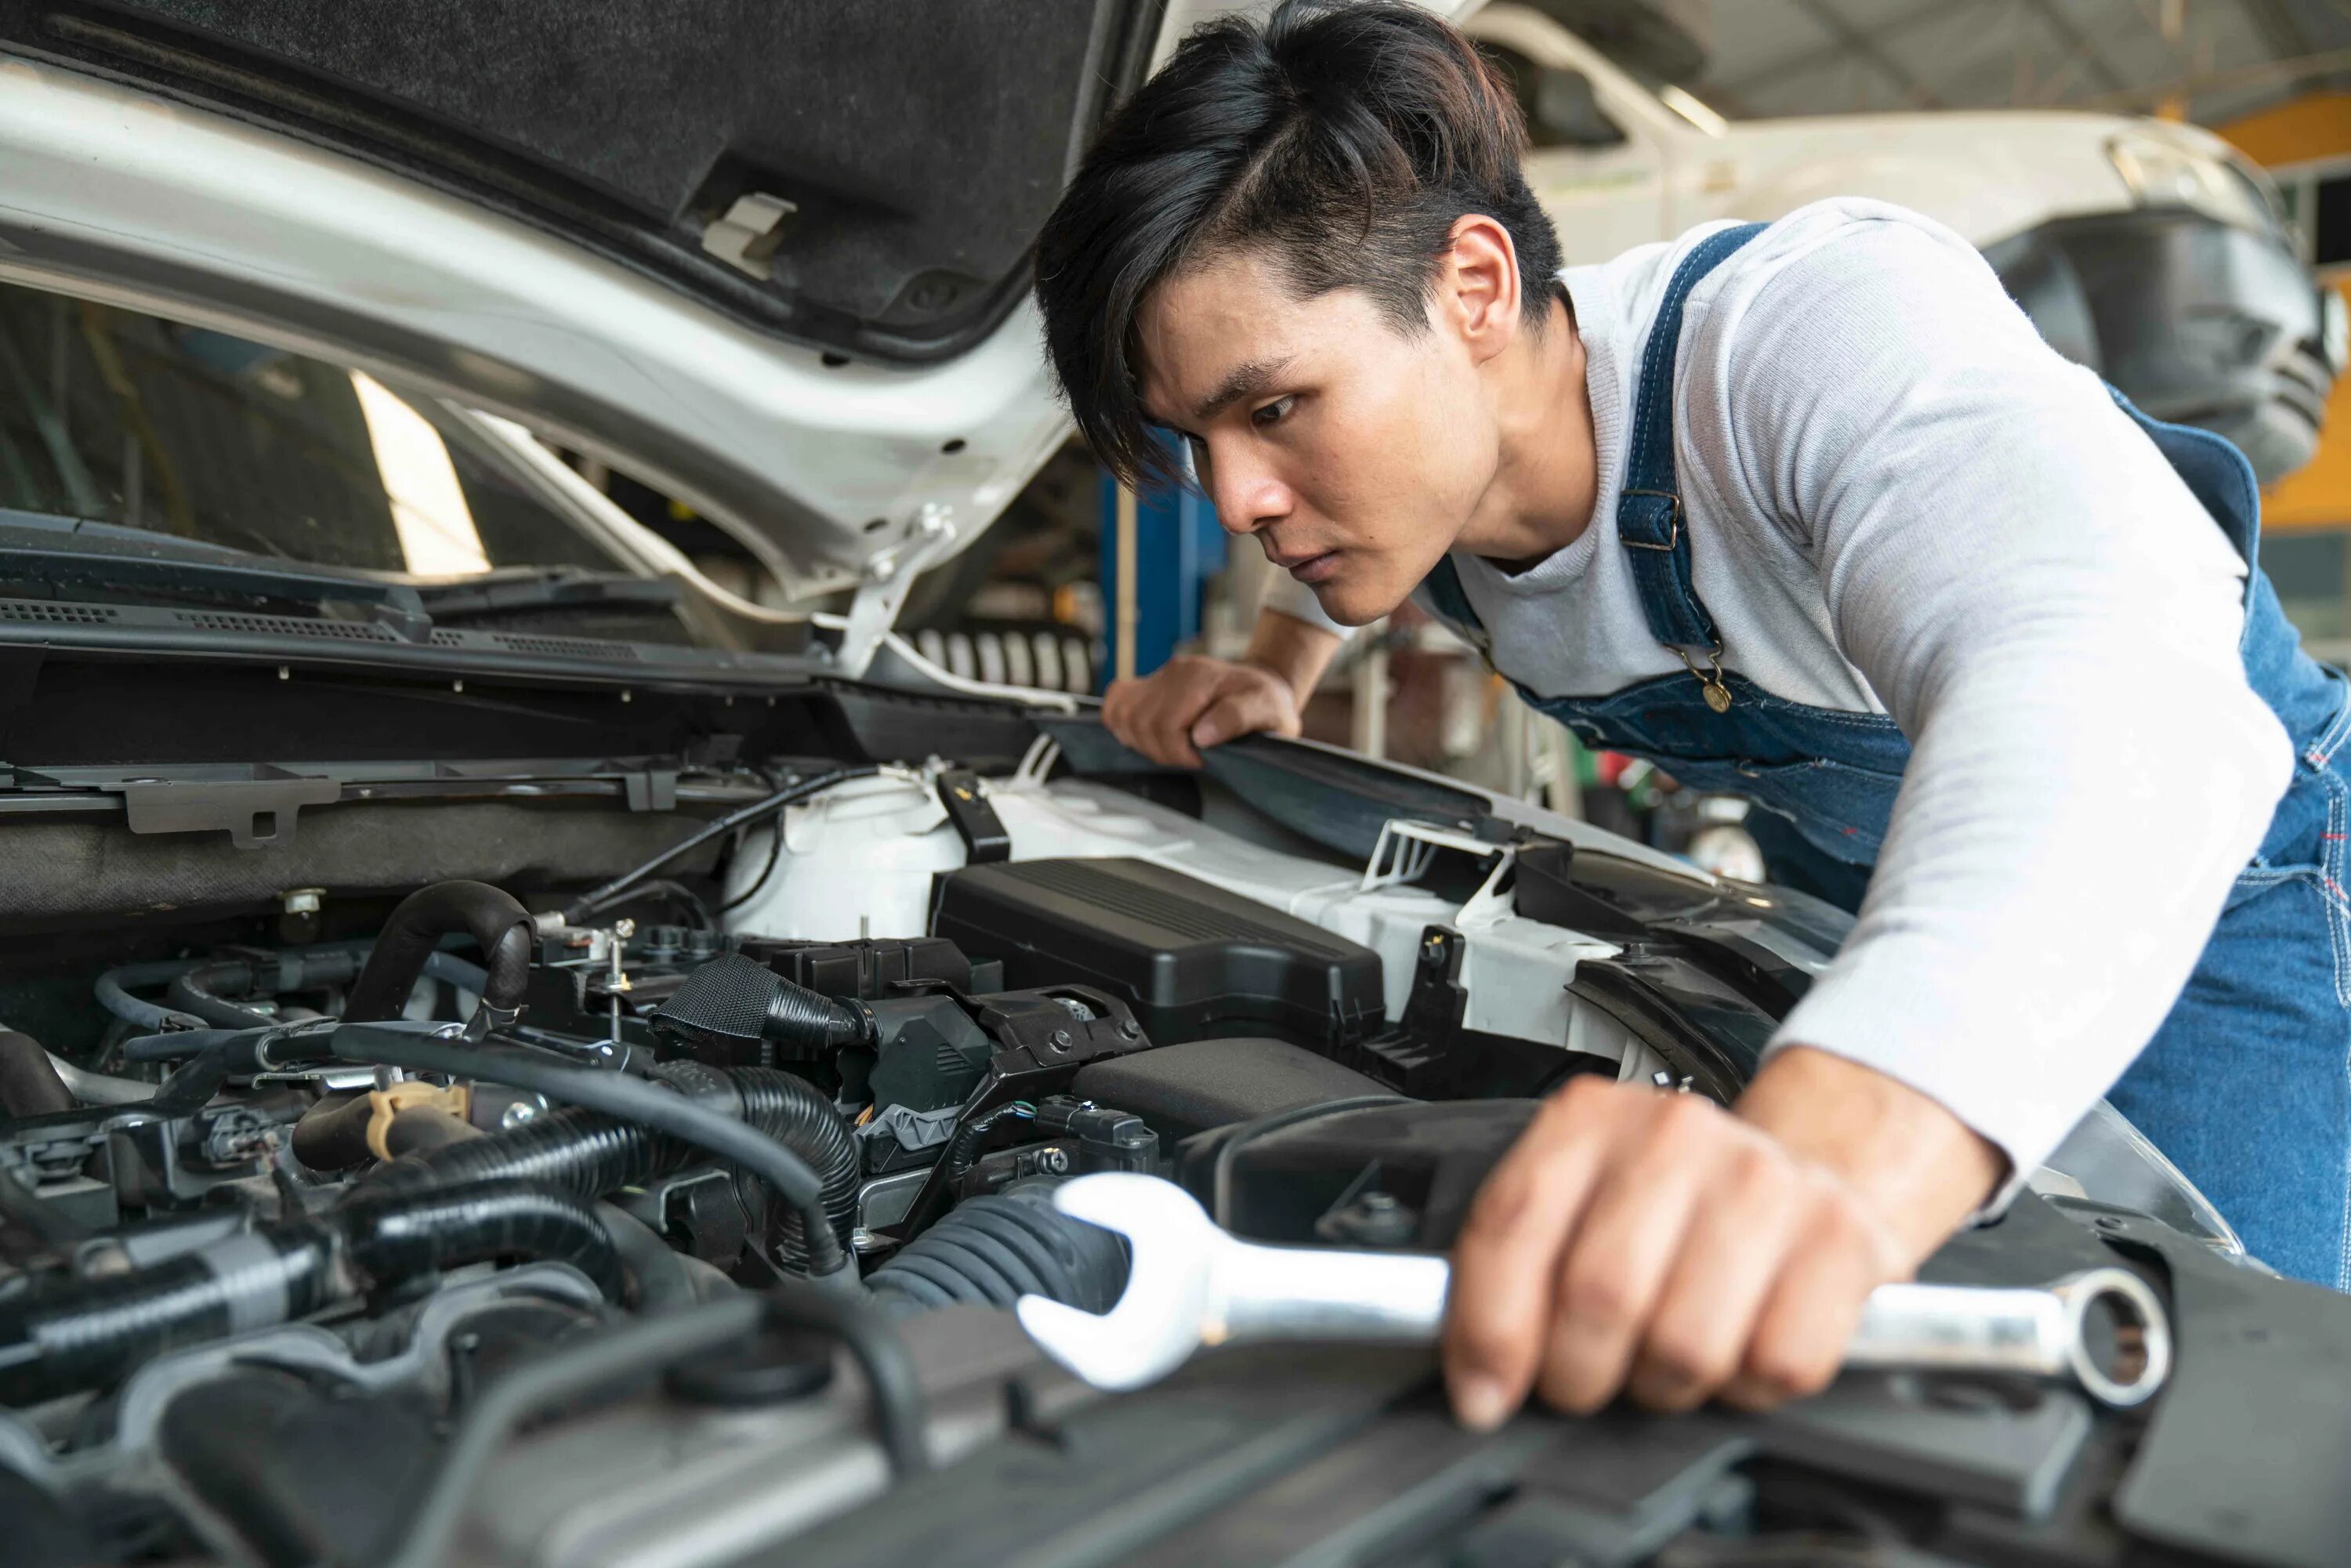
{"points": [[770, 260], [854, 173]]}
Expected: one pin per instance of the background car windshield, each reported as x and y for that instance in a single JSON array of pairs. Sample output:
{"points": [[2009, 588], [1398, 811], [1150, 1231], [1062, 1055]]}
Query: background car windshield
{"points": [[115, 416]]}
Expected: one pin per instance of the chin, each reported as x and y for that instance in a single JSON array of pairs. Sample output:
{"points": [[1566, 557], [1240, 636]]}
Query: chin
{"points": [[1353, 604]]}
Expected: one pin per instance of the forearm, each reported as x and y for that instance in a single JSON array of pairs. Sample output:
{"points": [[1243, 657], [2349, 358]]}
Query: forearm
{"points": [[1295, 651], [2022, 941]]}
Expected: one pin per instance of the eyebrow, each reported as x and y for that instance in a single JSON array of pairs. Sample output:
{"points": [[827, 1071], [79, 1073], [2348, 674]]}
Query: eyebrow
{"points": [[1242, 381]]}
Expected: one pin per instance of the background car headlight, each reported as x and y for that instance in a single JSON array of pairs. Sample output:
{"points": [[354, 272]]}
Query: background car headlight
{"points": [[2163, 174]]}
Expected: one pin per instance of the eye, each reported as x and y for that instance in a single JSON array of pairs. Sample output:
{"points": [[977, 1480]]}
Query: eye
{"points": [[1273, 412]]}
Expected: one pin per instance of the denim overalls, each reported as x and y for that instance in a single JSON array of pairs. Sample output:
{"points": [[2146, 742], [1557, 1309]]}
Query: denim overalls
{"points": [[2246, 1084]]}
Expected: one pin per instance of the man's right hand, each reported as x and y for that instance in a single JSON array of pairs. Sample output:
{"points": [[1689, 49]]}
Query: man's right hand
{"points": [[1191, 703]]}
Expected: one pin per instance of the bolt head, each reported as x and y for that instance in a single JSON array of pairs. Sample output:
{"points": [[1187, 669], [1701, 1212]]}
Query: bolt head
{"points": [[1055, 1162], [515, 1114], [624, 928], [1063, 1039]]}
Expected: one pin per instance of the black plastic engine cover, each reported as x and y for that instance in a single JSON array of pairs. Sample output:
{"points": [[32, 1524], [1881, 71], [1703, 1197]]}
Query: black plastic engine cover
{"points": [[872, 969], [1271, 1179], [1192, 960]]}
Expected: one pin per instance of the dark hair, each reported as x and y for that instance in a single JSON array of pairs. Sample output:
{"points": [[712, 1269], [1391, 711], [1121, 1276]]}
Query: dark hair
{"points": [[1345, 137]]}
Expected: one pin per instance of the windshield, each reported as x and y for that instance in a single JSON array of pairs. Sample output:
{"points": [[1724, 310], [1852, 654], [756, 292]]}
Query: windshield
{"points": [[114, 416]]}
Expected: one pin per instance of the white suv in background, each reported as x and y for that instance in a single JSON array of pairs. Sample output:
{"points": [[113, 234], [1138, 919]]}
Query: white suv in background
{"points": [[2152, 252]]}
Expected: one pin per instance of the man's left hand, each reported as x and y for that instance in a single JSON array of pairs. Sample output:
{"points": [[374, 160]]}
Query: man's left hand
{"points": [[1654, 1244]]}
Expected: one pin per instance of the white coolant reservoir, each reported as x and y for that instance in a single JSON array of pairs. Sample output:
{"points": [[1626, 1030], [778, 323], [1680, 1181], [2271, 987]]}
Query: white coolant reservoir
{"points": [[855, 860]]}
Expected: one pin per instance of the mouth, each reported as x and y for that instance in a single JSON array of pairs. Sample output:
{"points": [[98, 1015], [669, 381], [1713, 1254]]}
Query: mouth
{"points": [[1309, 569]]}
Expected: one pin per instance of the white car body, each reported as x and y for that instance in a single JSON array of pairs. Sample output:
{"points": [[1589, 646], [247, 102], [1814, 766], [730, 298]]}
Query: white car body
{"points": [[2151, 251]]}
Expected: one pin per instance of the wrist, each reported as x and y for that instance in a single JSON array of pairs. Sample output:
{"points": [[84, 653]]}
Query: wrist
{"points": [[1292, 651], [1266, 666], [1919, 1168]]}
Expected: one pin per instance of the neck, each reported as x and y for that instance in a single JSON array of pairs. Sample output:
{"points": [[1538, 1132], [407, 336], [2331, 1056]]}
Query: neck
{"points": [[1546, 481]]}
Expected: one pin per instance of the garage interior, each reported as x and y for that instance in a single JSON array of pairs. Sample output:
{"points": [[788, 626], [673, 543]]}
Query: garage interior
{"points": [[584, 982]]}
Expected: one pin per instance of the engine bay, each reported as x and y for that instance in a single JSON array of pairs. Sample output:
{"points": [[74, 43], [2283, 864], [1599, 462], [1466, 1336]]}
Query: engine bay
{"points": [[669, 1211]]}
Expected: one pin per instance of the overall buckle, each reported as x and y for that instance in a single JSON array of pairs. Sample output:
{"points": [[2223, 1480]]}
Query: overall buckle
{"points": [[1673, 520]]}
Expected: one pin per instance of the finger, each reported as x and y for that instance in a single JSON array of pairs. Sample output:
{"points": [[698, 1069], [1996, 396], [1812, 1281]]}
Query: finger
{"points": [[1616, 1262], [1118, 710], [1171, 724], [1241, 708], [1162, 711], [1507, 1256], [1731, 1256], [1810, 1314]]}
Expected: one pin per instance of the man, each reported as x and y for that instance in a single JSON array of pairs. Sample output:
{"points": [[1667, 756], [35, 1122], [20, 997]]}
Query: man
{"points": [[1806, 512]]}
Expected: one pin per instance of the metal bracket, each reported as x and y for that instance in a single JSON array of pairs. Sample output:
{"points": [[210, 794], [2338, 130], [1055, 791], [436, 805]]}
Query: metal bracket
{"points": [[1405, 850], [238, 806], [889, 576]]}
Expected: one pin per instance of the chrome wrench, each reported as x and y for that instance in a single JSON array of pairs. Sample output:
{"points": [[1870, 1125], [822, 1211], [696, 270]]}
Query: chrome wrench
{"points": [[1190, 1284]]}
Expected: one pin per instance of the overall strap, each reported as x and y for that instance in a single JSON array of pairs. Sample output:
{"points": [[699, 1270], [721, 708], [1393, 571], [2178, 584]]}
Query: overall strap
{"points": [[1649, 510]]}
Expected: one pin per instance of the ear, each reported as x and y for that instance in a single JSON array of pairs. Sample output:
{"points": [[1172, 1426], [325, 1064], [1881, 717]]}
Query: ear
{"points": [[1478, 286]]}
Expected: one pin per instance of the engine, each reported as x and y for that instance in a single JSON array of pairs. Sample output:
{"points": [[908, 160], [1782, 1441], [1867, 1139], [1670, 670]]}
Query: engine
{"points": [[268, 1239]]}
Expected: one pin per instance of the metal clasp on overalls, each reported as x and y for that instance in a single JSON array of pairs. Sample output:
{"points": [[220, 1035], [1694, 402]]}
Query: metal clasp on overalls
{"points": [[1718, 695]]}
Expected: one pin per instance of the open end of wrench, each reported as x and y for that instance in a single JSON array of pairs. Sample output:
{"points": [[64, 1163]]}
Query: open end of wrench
{"points": [[1170, 1283], [2119, 1343]]}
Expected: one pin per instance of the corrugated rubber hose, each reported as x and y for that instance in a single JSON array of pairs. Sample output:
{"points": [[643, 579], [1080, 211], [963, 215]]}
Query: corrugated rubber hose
{"points": [[998, 1249], [86, 1334], [593, 1154]]}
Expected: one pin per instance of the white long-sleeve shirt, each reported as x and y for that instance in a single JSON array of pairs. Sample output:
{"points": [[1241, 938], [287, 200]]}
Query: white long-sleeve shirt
{"points": [[1899, 500]]}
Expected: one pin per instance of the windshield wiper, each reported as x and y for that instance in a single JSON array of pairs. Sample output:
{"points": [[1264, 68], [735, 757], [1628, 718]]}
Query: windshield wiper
{"points": [[72, 553], [554, 588]]}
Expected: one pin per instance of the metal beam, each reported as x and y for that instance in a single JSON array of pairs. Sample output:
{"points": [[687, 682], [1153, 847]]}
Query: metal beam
{"points": [[1862, 47], [1815, 60], [2279, 28], [2077, 45]]}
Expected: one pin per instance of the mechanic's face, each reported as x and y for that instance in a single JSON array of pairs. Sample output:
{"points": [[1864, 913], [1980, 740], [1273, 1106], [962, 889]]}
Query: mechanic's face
{"points": [[1353, 451]]}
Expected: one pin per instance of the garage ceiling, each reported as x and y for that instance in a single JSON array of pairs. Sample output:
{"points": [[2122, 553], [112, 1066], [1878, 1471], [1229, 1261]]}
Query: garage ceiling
{"points": [[2215, 58]]}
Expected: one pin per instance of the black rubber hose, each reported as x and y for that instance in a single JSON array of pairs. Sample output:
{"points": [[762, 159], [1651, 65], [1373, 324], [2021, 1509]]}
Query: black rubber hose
{"points": [[399, 1237], [583, 1152], [592, 1154], [199, 992], [995, 1250], [495, 921], [29, 1083], [114, 991], [966, 1147], [631, 1100], [580, 908], [87, 1337], [332, 1136], [797, 1113], [178, 1043], [89, 1334], [211, 992]]}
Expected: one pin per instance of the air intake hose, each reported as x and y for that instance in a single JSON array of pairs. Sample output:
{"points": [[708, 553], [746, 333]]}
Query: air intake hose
{"points": [[89, 1334], [495, 920], [998, 1249], [737, 1009], [592, 1154]]}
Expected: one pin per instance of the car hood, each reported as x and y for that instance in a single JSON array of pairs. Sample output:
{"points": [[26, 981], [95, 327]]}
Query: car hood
{"points": [[774, 261]]}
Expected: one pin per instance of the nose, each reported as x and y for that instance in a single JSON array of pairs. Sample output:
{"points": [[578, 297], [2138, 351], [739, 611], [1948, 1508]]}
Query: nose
{"points": [[1248, 496]]}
